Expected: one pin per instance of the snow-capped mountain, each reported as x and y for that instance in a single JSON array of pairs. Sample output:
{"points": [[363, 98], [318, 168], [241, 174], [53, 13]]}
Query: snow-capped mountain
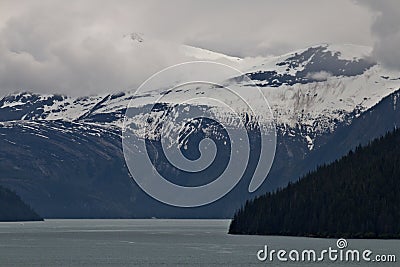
{"points": [[312, 90], [325, 100]]}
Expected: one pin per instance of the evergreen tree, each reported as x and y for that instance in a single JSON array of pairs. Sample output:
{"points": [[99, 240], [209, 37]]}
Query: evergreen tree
{"points": [[357, 196], [12, 208]]}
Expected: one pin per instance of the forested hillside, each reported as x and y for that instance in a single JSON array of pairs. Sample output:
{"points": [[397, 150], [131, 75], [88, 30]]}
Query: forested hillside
{"points": [[357, 196], [12, 208]]}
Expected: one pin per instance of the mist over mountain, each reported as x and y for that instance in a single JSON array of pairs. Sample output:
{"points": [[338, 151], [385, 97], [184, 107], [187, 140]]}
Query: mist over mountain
{"points": [[82, 48]]}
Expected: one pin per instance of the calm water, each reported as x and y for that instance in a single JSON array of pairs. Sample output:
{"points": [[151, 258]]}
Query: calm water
{"points": [[154, 243]]}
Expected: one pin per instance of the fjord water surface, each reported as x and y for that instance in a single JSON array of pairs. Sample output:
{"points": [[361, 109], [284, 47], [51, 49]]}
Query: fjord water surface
{"points": [[154, 243]]}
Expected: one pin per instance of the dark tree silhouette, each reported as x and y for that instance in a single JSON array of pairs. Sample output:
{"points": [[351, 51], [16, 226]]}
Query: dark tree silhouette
{"points": [[12, 208], [357, 196]]}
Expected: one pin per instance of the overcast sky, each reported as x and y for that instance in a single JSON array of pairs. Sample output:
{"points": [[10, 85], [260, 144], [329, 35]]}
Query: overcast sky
{"points": [[78, 47]]}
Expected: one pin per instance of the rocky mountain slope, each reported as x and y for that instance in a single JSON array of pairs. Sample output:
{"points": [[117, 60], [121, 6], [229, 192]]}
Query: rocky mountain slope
{"points": [[63, 154]]}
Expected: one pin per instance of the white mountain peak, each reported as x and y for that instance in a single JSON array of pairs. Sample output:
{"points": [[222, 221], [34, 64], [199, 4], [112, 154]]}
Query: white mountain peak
{"points": [[313, 88]]}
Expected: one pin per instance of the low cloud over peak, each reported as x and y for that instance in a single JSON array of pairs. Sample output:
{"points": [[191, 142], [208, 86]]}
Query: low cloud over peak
{"points": [[386, 31], [79, 48]]}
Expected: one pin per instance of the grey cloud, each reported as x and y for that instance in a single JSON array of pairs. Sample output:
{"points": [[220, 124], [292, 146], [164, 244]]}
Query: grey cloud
{"points": [[319, 76], [386, 30], [77, 47], [80, 54]]}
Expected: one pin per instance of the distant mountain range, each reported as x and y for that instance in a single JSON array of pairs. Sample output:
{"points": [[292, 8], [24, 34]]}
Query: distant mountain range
{"points": [[63, 155]]}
